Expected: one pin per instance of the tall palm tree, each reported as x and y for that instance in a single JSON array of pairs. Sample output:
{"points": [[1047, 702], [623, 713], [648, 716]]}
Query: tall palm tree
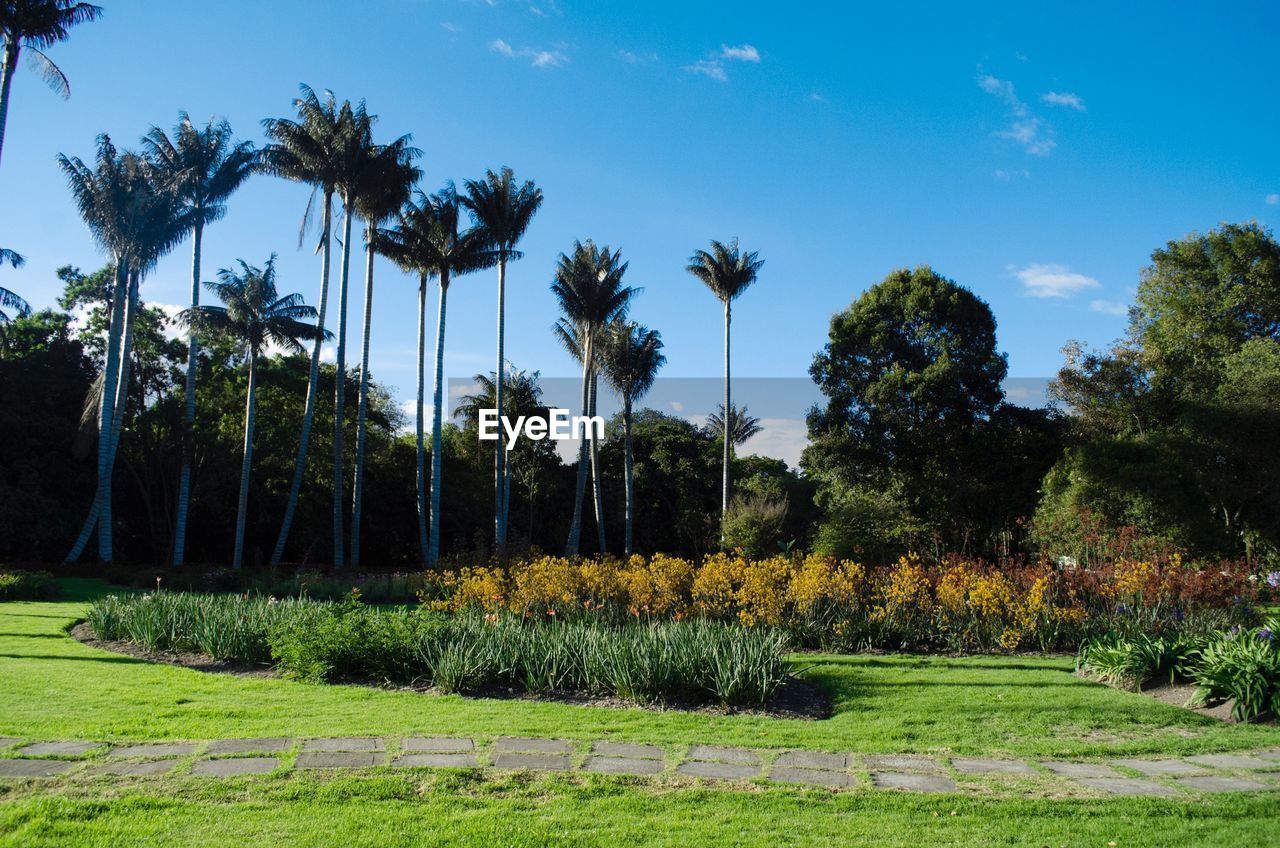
{"points": [[315, 150], [203, 167], [35, 26], [8, 299], [569, 335], [503, 210], [727, 271], [742, 425], [630, 358], [255, 315], [588, 286], [136, 219], [384, 180], [426, 241]]}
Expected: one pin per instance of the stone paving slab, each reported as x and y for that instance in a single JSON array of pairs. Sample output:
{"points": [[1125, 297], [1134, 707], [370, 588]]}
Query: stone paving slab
{"points": [[1221, 783], [58, 749], [532, 744], [344, 744], [628, 750], [813, 777], [446, 760], [1079, 770], [536, 761], [811, 760], [6, 741], [913, 782], [235, 766], [1127, 786], [264, 745], [720, 771], [902, 762], [1270, 755], [973, 765], [718, 754], [338, 759], [157, 749], [437, 744], [147, 767], [1162, 768], [624, 765], [1232, 761], [35, 768]]}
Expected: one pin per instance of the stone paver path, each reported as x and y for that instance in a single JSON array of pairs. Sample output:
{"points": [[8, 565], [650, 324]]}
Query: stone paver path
{"points": [[1166, 777]]}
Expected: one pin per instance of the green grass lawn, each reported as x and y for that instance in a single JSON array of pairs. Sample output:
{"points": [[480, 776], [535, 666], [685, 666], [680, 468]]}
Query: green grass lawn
{"points": [[52, 687]]}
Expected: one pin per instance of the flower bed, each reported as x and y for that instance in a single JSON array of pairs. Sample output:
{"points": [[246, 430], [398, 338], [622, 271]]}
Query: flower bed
{"points": [[841, 605]]}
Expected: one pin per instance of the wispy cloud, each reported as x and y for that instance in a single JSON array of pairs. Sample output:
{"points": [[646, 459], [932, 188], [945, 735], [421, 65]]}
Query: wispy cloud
{"points": [[537, 58], [447, 26], [1025, 128], [1063, 98], [1011, 174], [709, 68], [741, 53], [1273, 199], [1110, 307], [817, 98], [632, 58], [1049, 280]]}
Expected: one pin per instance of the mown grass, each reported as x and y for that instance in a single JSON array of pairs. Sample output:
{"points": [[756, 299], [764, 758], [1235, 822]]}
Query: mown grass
{"points": [[54, 687]]}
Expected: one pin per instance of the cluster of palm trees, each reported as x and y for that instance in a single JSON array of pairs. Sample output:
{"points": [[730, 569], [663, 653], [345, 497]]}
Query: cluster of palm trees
{"points": [[140, 205]]}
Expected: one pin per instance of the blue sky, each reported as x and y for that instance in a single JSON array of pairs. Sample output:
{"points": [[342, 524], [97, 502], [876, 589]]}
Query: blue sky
{"points": [[1035, 154]]}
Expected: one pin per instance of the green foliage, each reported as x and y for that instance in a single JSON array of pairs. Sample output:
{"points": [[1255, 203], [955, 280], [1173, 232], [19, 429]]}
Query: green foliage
{"points": [[28, 586], [1132, 660], [1243, 666], [754, 524]]}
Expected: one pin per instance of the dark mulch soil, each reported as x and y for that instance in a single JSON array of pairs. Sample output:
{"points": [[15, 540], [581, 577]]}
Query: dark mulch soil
{"points": [[797, 698]]}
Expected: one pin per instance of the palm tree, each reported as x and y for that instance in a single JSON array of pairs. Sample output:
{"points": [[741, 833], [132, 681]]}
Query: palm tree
{"points": [[727, 272], [569, 336], [589, 288], [630, 357], [203, 167], [255, 315], [426, 242], [503, 210], [315, 149], [742, 426], [8, 299], [136, 219], [385, 180], [522, 396], [36, 25]]}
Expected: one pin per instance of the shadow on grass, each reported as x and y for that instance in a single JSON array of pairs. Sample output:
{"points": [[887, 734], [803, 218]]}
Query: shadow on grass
{"points": [[107, 659]]}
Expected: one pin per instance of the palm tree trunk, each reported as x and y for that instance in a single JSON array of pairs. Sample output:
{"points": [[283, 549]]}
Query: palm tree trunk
{"points": [[8, 64], [188, 421], [105, 525], [575, 526], [106, 404], [247, 463], [417, 421], [499, 460], [362, 406], [728, 405], [309, 407], [340, 384], [506, 496], [597, 495], [437, 423], [627, 472]]}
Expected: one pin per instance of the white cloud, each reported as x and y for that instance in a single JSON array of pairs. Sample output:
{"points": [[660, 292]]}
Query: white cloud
{"points": [[1110, 307], [780, 438], [450, 27], [1048, 280], [1273, 199], [741, 53], [328, 354], [537, 58], [711, 68], [172, 329], [817, 98], [1012, 174], [1063, 98], [1004, 90], [1026, 129], [637, 58]]}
